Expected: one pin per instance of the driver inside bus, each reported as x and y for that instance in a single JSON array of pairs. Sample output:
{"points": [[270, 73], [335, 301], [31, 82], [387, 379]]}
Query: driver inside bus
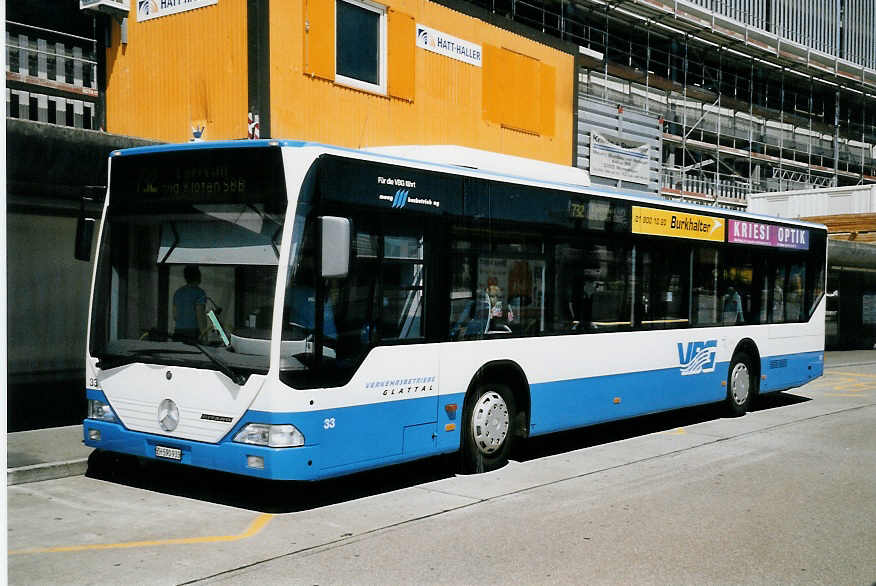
{"points": [[189, 307]]}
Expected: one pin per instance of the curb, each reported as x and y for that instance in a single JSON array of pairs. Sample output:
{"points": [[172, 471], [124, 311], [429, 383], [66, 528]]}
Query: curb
{"points": [[50, 471]]}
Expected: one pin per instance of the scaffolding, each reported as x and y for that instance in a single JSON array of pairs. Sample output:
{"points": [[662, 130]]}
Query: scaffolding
{"points": [[51, 76], [753, 97]]}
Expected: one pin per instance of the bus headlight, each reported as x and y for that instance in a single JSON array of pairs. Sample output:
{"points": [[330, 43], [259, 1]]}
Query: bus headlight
{"points": [[100, 411], [273, 436]]}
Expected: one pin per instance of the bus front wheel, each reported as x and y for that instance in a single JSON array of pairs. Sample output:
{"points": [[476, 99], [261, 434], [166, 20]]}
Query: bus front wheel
{"points": [[487, 421], [740, 384]]}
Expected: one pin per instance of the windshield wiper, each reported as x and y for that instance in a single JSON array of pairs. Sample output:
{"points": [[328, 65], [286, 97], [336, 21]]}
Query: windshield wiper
{"points": [[238, 379], [116, 360]]}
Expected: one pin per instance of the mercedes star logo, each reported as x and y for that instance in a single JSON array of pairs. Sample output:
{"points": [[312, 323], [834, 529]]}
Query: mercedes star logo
{"points": [[168, 415]]}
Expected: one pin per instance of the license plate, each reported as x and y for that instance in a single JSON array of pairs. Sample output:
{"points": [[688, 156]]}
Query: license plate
{"points": [[172, 453]]}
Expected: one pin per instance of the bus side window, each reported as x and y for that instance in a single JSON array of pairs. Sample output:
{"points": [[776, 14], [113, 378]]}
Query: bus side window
{"points": [[592, 288], [402, 274], [468, 313], [795, 293], [815, 288], [704, 290], [777, 303], [665, 276], [355, 314], [737, 277]]}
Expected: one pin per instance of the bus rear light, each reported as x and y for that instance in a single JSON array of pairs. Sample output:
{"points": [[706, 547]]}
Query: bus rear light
{"points": [[273, 436]]}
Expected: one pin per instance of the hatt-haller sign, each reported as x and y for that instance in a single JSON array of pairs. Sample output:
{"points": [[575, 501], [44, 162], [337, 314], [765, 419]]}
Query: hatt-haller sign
{"points": [[449, 46], [617, 158], [149, 9]]}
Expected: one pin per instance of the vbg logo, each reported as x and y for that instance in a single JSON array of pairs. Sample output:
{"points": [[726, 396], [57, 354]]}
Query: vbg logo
{"points": [[401, 198], [698, 357]]}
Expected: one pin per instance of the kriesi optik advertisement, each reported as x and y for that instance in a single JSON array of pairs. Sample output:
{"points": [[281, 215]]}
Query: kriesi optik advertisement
{"points": [[746, 232]]}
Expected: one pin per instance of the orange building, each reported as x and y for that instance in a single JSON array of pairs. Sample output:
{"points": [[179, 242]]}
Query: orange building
{"points": [[355, 73]]}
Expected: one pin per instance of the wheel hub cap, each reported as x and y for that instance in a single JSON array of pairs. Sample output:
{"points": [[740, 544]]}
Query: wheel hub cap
{"points": [[490, 422], [739, 383]]}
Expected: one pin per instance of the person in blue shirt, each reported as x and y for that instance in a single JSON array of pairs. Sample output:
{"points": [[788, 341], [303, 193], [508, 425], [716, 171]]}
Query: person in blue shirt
{"points": [[189, 307], [301, 303], [301, 311]]}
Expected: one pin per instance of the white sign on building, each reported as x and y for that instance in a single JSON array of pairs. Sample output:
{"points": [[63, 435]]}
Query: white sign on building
{"points": [[149, 9], [618, 159], [449, 46]]}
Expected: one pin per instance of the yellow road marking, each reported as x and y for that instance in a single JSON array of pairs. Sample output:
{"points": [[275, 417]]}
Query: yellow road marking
{"points": [[849, 384], [679, 431], [257, 525]]}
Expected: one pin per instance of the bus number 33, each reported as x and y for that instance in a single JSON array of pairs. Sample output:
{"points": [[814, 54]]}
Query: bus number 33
{"points": [[328, 423]]}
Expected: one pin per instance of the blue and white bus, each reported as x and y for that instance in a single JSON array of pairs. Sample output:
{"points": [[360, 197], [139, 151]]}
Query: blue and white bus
{"points": [[355, 309]]}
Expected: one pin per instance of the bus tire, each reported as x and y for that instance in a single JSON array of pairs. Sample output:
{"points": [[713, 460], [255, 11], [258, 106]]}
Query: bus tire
{"points": [[740, 384], [488, 418]]}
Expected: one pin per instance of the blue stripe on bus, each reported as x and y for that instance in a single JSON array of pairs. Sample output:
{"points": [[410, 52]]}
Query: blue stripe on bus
{"points": [[348, 439], [791, 370], [561, 405]]}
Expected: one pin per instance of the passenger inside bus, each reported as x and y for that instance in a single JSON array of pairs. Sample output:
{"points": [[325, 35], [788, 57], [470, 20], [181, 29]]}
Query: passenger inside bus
{"points": [[733, 307], [581, 292], [300, 311]]}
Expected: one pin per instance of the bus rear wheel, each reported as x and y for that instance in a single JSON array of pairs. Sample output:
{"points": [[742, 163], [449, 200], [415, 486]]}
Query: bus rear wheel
{"points": [[740, 384], [487, 423]]}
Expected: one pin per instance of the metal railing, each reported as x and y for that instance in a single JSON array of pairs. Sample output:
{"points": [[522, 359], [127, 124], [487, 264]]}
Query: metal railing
{"points": [[705, 187]]}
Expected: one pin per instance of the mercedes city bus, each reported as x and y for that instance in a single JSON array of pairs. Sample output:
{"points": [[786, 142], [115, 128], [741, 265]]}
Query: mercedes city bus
{"points": [[356, 309]]}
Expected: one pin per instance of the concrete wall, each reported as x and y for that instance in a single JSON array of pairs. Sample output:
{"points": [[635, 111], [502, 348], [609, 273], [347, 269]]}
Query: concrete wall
{"points": [[47, 297], [48, 169]]}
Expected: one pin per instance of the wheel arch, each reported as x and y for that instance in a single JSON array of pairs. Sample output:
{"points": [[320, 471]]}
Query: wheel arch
{"points": [[510, 374]]}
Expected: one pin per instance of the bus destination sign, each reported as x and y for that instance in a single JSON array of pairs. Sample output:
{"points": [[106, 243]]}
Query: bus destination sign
{"points": [[677, 224], [200, 175], [767, 235]]}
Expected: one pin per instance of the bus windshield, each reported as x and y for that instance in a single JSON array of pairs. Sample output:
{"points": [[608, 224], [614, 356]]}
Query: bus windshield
{"points": [[188, 260]]}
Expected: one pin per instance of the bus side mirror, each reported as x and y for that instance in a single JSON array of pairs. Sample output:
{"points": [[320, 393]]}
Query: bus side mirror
{"points": [[335, 246], [84, 236]]}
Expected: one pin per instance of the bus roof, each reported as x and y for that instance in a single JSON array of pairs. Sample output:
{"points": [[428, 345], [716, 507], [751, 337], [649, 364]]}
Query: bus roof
{"points": [[486, 165]]}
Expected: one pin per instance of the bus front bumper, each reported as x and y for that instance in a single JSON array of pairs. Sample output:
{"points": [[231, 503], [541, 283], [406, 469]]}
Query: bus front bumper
{"points": [[298, 463]]}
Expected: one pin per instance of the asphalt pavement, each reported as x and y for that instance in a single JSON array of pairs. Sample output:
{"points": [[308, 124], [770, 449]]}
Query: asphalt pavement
{"points": [[59, 452]]}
